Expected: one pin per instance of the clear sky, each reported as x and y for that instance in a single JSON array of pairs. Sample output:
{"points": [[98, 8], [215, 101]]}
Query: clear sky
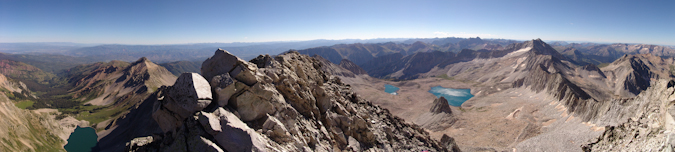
{"points": [[174, 22]]}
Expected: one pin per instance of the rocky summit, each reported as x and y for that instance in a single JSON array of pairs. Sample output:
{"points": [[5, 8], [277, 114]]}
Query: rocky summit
{"points": [[275, 103]]}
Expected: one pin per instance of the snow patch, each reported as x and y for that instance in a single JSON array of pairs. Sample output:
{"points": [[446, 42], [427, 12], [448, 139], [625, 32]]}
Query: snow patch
{"points": [[523, 50]]}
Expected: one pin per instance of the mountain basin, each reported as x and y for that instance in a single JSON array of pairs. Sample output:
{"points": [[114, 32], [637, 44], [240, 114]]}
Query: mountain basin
{"points": [[390, 89], [455, 97], [83, 139]]}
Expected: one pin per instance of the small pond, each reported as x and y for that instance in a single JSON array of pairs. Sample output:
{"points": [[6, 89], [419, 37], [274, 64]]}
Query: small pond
{"points": [[455, 97], [81, 140], [390, 89]]}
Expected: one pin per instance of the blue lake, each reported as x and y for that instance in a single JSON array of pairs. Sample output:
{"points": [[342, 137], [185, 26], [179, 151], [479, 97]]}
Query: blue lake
{"points": [[390, 89], [455, 97], [81, 140]]}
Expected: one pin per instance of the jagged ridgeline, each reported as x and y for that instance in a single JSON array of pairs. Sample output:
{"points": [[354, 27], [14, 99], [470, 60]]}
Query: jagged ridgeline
{"points": [[650, 127], [281, 103]]}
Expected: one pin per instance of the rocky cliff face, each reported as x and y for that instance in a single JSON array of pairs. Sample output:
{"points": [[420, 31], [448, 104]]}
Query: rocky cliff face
{"points": [[334, 69], [440, 105], [649, 126], [631, 74], [282, 103], [351, 66]]}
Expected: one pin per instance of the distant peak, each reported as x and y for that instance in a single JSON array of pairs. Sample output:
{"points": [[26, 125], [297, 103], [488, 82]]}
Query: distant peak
{"points": [[419, 43], [141, 60], [144, 59], [538, 42]]}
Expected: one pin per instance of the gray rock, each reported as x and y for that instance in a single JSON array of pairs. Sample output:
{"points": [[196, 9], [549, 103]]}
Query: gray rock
{"points": [[236, 135], [275, 130], [191, 91], [246, 72], [221, 62], [440, 105], [210, 122], [354, 144], [257, 101], [201, 144], [189, 94], [223, 87], [139, 144], [449, 143]]}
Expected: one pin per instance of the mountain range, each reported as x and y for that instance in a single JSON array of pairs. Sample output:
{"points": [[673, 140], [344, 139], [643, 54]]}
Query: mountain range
{"points": [[528, 96]]}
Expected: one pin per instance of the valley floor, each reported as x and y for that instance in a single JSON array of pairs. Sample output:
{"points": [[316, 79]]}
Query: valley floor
{"points": [[515, 119]]}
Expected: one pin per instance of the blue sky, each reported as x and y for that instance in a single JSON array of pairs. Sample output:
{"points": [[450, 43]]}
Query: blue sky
{"points": [[177, 22]]}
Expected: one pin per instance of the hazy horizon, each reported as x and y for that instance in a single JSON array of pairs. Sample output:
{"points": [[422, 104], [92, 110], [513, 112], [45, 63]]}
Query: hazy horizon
{"points": [[180, 22]]}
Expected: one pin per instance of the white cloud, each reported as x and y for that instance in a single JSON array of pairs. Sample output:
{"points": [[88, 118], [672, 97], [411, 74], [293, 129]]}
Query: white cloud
{"points": [[449, 91]]}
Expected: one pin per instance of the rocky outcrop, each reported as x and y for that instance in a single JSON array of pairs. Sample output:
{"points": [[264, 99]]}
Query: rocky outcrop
{"points": [[649, 128], [224, 62], [223, 88], [288, 104], [440, 105], [439, 116], [450, 143], [189, 94]]}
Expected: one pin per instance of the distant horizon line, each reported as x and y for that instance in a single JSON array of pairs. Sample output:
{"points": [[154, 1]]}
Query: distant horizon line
{"points": [[287, 41]]}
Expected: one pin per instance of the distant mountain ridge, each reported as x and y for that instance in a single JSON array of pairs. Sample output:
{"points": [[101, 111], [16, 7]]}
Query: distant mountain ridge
{"points": [[594, 53]]}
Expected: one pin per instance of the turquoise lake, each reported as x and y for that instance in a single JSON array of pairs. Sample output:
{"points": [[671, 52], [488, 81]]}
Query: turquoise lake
{"points": [[390, 89], [455, 97], [81, 140]]}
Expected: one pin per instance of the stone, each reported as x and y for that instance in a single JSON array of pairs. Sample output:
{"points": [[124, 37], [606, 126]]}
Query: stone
{"points": [[440, 105], [166, 120], [354, 144], [237, 136], [199, 143], [137, 144], [246, 72], [191, 91], [221, 62], [210, 122], [257, 102], [275, 129], [449, 143], [189, 94], [223, 87]]}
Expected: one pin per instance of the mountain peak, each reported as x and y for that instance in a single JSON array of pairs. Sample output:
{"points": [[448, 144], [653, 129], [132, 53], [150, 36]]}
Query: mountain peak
{"points": [[541, 48], [141, 60]]}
